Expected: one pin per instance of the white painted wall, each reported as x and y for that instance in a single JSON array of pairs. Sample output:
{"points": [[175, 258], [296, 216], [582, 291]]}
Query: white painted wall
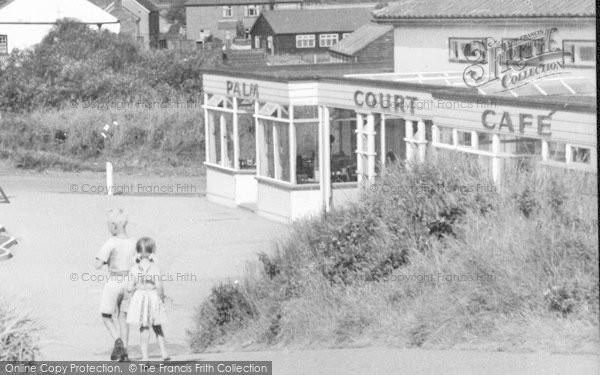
{"points": [[423, 46], [26, 22]]}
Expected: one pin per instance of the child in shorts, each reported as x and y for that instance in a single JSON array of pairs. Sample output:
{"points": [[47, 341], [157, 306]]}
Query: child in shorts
{"points": [[118, 254], [147, 308]]}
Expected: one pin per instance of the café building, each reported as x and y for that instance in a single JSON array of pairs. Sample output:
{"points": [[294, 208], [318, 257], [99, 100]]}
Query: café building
{"points": [[292, 144]]}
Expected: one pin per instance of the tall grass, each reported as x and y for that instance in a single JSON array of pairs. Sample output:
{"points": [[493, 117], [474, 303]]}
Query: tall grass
{"points": [[441, 258], [18, 340], [71, 138]]}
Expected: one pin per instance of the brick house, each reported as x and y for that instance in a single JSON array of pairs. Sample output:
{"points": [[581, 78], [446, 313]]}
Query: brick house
{"points": [[222, 18], [371, 43], [306, 30], [139, 19]]}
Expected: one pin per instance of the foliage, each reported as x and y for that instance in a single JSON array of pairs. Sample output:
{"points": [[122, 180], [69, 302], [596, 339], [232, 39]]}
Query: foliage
{"points": [[226, 309], [18, 340], [437, 256], [74, 63]]}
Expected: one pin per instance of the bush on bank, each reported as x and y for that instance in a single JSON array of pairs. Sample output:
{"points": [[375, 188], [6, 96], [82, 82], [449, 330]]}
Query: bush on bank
{"points": [[18, 340], [71, 139], [74, 63], [438, 259]]}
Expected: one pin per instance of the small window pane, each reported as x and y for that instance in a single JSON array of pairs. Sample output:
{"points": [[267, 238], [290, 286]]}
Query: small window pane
{"points": [[557, 151], [464, 138], [580, 155], [445, 135], [484, 142]]}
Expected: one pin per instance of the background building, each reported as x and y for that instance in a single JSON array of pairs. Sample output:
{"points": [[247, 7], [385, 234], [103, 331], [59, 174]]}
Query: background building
{"points": [[224, 19], [371, 43], [300, 31], [139, 19]]}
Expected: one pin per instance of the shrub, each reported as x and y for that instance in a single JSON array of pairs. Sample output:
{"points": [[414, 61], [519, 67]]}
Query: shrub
{"points": [[18, 340], [225, 310], [436, 256]]}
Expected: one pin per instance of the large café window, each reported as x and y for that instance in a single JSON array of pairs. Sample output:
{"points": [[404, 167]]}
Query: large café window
{"points": [[222, 144], [289, 144]]}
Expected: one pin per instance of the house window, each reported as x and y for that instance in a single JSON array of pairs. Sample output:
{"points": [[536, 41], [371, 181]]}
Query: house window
{"points": [[305, 41], [257, 41], [3, 44], [270, 42], [227, 11], [580, 155], [580, 52], [252, 11], [467, 50], [344, 35], [327, 40]]}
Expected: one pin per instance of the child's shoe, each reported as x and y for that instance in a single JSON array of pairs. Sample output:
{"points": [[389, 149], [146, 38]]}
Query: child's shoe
{"points": [[124, 357], [117, 350]]}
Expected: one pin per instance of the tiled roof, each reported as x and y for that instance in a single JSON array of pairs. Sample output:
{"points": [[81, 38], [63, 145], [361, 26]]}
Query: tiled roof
{"points": [[486, 9], [235, 2], [316, 20], [361, 38]]}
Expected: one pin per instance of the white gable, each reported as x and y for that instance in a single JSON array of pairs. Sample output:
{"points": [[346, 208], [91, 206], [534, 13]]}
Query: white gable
{"points": [[49, 11]]}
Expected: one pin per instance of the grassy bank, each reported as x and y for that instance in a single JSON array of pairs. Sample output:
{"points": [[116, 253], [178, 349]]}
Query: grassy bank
{"points": [[18, 340], [145, 139], [437, 259]]}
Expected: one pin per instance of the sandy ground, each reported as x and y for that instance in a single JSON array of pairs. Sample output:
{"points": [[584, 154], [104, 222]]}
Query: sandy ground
{"points": [[200, 244]]}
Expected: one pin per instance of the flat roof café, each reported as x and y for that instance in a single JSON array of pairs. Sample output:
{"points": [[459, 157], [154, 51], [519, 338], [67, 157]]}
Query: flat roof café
{"points": [[293, 147], [505, 85]]}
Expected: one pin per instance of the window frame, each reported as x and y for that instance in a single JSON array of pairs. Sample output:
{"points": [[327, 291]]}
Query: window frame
{"points": [[325, 38], [4, 50], [257, 42], [255, 8], [227, 11], [301, 38], [576, 63], [462, 58]]}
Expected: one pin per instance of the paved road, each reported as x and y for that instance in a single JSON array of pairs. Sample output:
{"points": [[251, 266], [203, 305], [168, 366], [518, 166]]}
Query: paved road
{"points": [[199, 245], [60, 233], [387, 361]]}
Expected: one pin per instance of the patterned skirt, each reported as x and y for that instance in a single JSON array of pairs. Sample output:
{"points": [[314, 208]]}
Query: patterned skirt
{"points": [[146, 309]]}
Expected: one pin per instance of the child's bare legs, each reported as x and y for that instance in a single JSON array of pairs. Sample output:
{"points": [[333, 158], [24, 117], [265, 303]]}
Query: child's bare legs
{"points": [[110, 325], [124, 328], [160, 337], [144, 341]]}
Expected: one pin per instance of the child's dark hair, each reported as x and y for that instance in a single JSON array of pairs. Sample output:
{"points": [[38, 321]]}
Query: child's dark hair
{"points": [[145, 245]]}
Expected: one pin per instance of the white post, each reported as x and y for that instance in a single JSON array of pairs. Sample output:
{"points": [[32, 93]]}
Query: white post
{"points": [[276, 156], [109, 178], [408, 129], [292, 140], [236, 136], [382, 140], [212, 138], [422, 138], [223, 140], [568, 154], [359, 146], [545, 151], [496, 158], [258, 137], [207, 144], [370, 130], [328, 193], [474, 140]]}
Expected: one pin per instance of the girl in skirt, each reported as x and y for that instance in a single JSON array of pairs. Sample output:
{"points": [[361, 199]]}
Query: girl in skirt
{"points": [[147, 308]]}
